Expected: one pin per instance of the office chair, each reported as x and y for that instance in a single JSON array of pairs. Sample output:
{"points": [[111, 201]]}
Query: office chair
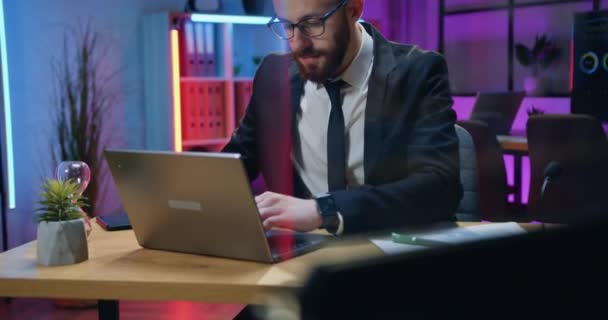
{"points": [[578, 143], [468, 208], [493, 189]]}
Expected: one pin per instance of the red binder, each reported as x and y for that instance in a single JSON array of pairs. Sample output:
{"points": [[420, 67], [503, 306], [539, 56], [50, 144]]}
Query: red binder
{"points": [[243, 91], [187, 111], [203, 105]]}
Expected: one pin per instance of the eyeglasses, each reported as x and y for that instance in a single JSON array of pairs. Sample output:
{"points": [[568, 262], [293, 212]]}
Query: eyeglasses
{"points": [[310, 27]]}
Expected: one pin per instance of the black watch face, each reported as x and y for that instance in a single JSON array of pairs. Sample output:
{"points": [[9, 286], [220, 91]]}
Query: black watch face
{"points": [[326, 204], [332, 224]]}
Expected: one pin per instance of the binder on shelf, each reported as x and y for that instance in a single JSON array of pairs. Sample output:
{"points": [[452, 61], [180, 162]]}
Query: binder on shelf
{"points": [[220, 122], [216, 109], [200, 49], [210, 66], [211, 100], [187, 46], [188, 112], [194, 114], [194, 102], [243, 90], [203, 104]]}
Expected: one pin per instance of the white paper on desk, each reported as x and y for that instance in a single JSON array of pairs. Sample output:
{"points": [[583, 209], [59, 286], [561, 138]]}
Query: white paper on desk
{"points": [[389, 247], [453, 235]]}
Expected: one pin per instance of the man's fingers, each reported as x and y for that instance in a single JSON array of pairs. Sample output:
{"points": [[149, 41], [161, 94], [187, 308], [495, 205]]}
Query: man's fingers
{"points": [[266, 213], [264, 196], [267, 202], [279, 221]]}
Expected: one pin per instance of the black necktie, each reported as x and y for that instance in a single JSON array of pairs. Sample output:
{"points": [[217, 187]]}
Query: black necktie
{"points": [[336, 148]]}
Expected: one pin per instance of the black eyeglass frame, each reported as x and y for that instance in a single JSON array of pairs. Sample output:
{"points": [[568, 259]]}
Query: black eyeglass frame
{"points": [[276, 20]]}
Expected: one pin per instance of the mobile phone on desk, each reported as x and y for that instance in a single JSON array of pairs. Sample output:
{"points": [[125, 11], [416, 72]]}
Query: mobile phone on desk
{"points": [[113, 222]]}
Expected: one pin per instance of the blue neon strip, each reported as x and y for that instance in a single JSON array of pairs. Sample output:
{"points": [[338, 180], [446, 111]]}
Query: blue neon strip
{"points": [[224, 18], [10, 165]]}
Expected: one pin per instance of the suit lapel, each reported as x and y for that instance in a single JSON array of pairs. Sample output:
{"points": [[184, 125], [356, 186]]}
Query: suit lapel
{"points": [[384, 63], [297, 89], [276, 122]]}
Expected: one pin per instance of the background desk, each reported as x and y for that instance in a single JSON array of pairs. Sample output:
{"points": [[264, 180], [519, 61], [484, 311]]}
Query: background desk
{"points": [[517, 146], [119, 269], [513, 143]]}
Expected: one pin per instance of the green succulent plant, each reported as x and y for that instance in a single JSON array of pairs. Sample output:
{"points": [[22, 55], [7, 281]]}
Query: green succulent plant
{"points": [[256, 60], [535, 111], [60, 201]]}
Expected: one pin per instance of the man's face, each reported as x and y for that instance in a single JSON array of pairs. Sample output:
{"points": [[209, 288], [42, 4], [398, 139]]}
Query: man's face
{"points": [[317, 58]]}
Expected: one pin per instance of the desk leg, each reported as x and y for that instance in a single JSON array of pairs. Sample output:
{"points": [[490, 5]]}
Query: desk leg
{"points": [[108, 310], [517, 159]]}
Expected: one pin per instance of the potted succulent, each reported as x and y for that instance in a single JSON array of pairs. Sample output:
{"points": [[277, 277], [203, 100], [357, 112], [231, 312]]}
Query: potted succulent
{"points": [[61, 226], [534, 111], [538, 58]]}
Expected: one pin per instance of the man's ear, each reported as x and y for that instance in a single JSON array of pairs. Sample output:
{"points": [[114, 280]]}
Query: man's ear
{"points": [[355, 8]]}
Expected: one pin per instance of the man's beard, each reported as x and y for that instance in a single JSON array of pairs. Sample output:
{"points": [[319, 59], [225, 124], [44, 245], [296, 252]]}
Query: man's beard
{"points": [[320, 73]]}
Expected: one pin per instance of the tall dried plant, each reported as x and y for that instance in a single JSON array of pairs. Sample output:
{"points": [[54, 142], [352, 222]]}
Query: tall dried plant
{"points": [[83, 97]]}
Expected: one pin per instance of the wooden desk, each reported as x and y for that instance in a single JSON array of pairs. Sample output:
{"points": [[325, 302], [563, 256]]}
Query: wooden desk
{"points": [[513, 143], [119, 269]]}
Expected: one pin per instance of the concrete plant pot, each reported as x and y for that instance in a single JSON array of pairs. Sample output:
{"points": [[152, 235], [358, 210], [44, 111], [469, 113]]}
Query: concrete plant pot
{"points": [[62, 242]]}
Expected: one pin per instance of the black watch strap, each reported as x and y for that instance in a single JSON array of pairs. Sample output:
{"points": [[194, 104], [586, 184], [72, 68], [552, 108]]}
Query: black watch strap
{"points": [[328, 210]]}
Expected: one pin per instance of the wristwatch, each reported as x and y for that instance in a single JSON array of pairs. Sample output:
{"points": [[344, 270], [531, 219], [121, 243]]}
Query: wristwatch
{"points": [[327, 209]]}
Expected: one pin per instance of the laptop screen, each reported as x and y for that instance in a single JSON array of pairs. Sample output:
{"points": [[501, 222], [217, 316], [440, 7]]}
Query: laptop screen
{"points": [[497, 109]]}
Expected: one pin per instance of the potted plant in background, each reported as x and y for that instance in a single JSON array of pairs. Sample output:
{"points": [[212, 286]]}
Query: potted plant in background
{"points": [[532, 111], [61, 226], [538, 58], [83, 99]]}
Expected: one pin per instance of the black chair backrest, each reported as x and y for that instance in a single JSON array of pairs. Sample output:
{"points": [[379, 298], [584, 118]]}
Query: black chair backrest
{"points": [[493, 190], [468, 209], [579, 144]]}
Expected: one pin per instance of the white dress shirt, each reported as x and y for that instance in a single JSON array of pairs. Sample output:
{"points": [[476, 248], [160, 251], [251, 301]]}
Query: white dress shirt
{"points": [[310, 146]]}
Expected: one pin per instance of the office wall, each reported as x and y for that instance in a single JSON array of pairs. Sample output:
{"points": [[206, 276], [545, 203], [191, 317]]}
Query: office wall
{"points": [[377, 12], [477, 53], [422, 24], [34, 32]]}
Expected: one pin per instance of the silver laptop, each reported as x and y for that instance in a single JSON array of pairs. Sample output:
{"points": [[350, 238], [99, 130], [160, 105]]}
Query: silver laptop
{"points": [[497, 109], [200, 203]]}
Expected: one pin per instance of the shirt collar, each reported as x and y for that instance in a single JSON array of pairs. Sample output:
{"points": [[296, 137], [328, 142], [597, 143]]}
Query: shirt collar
{"points": [[357, 73]]}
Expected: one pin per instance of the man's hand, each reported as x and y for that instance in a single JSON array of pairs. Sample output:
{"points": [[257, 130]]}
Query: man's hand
{"points": [[281, 211]]}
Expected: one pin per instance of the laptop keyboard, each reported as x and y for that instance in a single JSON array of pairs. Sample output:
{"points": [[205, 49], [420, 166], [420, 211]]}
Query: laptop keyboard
{"points": [[285, 244]]}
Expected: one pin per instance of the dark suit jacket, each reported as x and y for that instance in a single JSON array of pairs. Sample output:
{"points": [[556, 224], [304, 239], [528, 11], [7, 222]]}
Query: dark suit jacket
{"points": [[411, 148]]}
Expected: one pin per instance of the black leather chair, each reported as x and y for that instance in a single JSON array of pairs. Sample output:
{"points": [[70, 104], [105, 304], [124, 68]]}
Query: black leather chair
{"points": [[493, 189], [579, 144]]}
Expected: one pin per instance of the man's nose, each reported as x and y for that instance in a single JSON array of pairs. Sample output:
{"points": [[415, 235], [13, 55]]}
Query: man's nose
{"points": [[299, 41]]}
